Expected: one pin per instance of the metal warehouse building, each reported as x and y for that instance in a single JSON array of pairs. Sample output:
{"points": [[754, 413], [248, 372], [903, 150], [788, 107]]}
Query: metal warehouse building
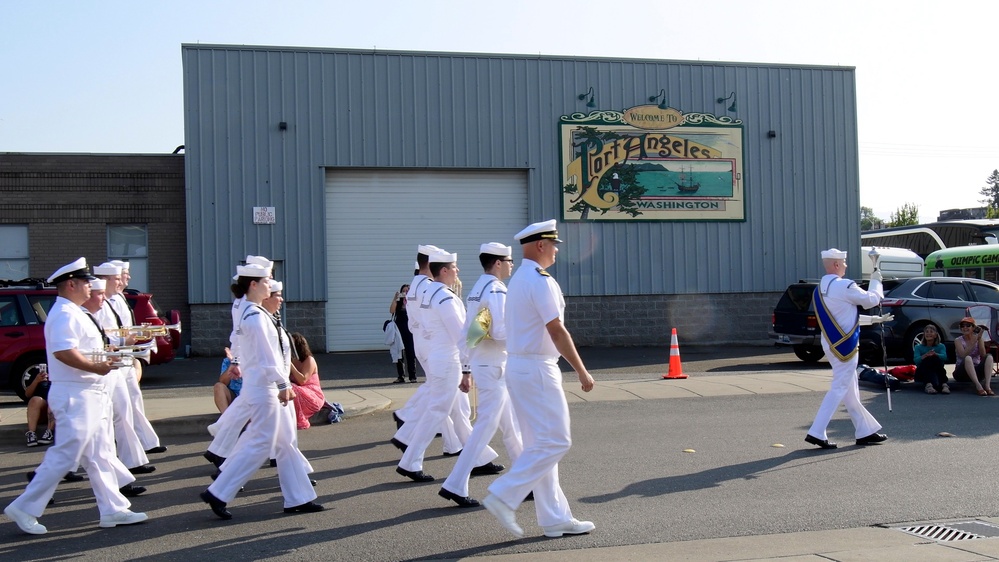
{"points": [[688, 194]]}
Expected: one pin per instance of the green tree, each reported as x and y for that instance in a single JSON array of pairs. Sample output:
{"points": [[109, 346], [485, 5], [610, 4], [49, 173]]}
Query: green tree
{"points": [[990, 194], [868, 221], [906, 215]]}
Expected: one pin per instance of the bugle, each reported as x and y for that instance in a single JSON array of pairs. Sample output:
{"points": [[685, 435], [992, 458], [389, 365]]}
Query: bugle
{"points": [[125, 355], [144, 331]]}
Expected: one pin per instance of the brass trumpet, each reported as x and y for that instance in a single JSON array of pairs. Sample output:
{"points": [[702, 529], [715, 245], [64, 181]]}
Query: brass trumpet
{"points": [[144, 331], [125, 355]]}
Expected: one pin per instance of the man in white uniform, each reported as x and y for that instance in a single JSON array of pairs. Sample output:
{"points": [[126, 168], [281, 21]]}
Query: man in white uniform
{"points": [[82, 407], [836, 301], [536, 337], [133, 374], [487, 359]]}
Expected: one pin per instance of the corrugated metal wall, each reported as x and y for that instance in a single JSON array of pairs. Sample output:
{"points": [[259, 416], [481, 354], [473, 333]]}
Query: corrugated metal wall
{"points": [[347, 108]]}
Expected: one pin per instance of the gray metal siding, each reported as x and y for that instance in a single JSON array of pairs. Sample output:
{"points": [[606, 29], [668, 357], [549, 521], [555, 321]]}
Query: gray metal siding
{"points": [[348, 108]]}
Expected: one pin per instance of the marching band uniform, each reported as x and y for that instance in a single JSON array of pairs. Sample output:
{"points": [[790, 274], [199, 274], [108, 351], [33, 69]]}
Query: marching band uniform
{"points": [[265, 366], [836, 300], [81, 405], [487, 360], [442, 317]]}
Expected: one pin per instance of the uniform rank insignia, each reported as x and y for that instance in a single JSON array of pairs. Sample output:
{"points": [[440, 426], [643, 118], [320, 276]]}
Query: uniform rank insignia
{"points": [[542, 271]]}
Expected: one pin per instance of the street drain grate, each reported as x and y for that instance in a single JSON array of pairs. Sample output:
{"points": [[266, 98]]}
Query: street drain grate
{"points": [[954, 531]]}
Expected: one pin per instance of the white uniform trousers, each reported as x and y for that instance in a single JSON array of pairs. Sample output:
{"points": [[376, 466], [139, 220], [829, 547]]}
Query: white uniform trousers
{"points": [[494, 412], [844, 389], [272, 428], [144, 429], [129, 447], [443, 378], [535, 386], [83, 412], [228, 427]]}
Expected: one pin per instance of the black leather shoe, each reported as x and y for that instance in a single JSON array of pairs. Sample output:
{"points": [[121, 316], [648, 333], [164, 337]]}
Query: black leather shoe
{"points": [[872, 439], [308, 507], [415, 476], [824, 443], [313, 482], [530, 497], [399, 444], [462, 501], [217, 505], [488, 468], [446, 454], [398, 420], [399, 380], [144, 469], [156, 450], [130, 491], [273, 463], [214, 459], [72, 477]]}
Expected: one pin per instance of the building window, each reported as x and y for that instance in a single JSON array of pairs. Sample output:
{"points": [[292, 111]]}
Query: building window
{"points": [[14, 251], [129, 242]]}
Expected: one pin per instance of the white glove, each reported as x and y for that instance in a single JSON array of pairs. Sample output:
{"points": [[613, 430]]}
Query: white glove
{"points": [[866, 320], [876, 276]]}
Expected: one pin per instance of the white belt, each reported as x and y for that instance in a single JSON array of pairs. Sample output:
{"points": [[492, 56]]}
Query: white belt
{"points": [[535, 357]]}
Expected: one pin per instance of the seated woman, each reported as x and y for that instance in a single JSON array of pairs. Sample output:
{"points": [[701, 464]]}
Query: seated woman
{"points": [[38, 396], [229, 385], [309, 397], [930, 358], [973, 361]]}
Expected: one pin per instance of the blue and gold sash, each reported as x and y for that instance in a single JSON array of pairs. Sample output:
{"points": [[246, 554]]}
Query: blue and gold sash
{"points": [[843, 343]]}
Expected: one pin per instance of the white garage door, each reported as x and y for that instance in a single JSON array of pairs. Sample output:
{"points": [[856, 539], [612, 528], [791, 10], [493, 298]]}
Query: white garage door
{"points": [[376, 218]]}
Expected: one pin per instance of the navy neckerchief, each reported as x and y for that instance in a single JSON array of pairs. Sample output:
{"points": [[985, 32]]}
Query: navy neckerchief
{"points": [[843, 343]]}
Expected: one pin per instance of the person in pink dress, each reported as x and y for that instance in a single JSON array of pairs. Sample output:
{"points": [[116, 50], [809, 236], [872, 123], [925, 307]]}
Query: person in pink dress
{"points": [[309, 397]]}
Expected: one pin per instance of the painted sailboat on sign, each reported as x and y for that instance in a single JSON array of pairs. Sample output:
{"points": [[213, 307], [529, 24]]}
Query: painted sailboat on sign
{"points": [[686, 183]]}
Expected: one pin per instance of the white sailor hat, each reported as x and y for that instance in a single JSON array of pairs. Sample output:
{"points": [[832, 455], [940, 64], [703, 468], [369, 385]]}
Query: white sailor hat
{"points": [[443, 257], [833, 254], [107, 268], [495, 249], [276, 286], [252, 270], [122, 264], [98, 285], [544, 230], [427, 249], [260, 260], [75, 270]]}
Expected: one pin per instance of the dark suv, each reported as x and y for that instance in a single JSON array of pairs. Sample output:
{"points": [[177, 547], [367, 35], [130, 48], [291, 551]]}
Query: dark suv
{"points": [[915, 303], [24, 305]]}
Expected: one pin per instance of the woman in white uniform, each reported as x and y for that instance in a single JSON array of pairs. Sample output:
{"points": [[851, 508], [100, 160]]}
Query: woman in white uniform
{"points": [[267, 392]]}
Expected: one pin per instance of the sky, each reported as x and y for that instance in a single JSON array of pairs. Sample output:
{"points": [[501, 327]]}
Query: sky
{"points": [[105, 76]]}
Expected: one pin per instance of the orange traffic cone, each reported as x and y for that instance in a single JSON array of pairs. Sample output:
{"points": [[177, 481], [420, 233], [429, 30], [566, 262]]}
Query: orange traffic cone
{"points": [[675, 370]]}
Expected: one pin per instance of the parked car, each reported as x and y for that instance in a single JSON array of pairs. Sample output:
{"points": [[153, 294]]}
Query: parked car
{"points": [[915, 303], [25, 304]]}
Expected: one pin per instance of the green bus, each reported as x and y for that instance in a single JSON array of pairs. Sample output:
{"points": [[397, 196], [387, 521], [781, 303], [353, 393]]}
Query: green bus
{"points": [[975, 262]]}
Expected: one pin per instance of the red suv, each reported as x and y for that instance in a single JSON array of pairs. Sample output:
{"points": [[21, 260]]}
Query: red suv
{"points": [[24, 306]]}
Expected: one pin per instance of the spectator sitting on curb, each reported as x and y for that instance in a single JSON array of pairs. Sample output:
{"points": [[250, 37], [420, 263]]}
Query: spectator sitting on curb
{"points": [[38, 396], [309, 397], [229, 385]]}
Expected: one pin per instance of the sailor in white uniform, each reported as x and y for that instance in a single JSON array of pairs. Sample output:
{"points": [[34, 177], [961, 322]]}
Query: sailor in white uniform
{"points": [[536, 337], [486, 304], [267, 390], [81, 405], [836, 301]]}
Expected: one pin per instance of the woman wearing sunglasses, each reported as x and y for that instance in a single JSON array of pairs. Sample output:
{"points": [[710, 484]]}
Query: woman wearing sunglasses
{"points": [[973, 361]]}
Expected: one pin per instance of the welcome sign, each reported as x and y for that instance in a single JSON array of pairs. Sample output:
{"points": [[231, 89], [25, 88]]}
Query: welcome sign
{"points": [[650, 163]]}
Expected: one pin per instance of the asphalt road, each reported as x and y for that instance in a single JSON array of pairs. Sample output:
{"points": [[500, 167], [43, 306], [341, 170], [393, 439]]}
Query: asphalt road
{"points": [[627, 472]]}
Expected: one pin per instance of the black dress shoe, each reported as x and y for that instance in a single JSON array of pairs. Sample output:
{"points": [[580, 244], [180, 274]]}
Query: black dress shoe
{"points": [[462, 501], [415, 476], [144, 469], [157, 449], [214, 459], [273, 463], [824, 443], [872, 439], [308, 507], [130, 491], [398, 420], [217, 505], [530, 497], [488, 468], [399, 444], [72, 477], [313, 482], [446, 454], [399, 380]]}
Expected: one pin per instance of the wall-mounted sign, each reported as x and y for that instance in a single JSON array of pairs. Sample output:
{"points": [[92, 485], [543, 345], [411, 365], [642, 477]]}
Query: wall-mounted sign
{"points": [[264, 215], [648, 163]]}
